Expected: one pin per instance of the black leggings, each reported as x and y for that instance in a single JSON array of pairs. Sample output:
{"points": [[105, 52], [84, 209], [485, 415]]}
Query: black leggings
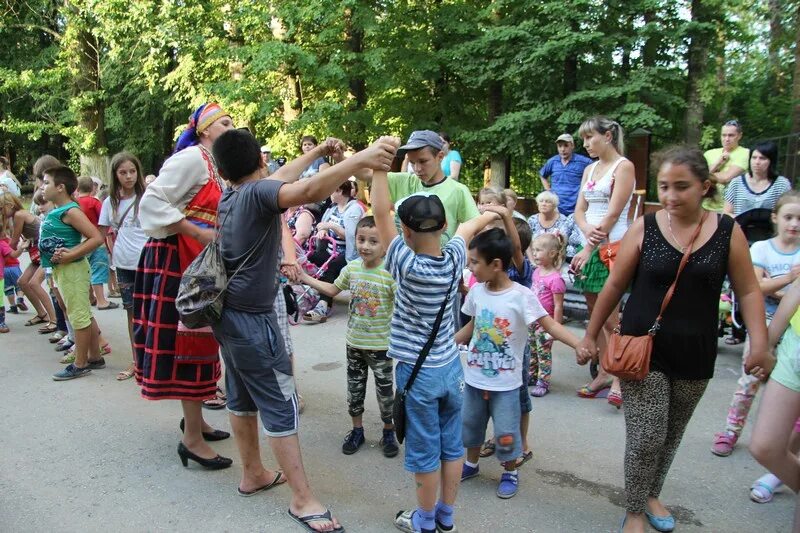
{"points": [[335, 267]]}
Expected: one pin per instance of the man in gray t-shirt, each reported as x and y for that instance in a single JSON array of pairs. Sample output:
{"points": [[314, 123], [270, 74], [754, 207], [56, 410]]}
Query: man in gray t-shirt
{"points": [[250, 219], [258, 371]]}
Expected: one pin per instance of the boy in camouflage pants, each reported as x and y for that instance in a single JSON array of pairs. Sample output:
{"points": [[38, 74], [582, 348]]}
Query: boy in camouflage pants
{"points": [[372, 291]]}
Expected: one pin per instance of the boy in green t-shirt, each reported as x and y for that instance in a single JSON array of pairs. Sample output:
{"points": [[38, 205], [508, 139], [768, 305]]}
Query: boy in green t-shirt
{"points": [[372, 291], [60, 245]]}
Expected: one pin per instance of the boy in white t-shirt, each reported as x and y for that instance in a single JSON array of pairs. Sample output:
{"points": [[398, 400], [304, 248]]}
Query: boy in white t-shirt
{"points": [[501, 312]]}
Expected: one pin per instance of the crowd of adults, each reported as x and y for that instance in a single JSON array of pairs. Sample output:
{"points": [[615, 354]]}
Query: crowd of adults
{"points": [[586, 200]]}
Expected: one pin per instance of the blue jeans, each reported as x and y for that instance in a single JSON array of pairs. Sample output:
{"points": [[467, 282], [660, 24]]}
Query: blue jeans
{"points": [[504, 409], [433, 415]]}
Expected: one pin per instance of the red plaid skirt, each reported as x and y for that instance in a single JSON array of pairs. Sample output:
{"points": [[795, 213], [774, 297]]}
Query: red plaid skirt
{"points": [[171, 362]]}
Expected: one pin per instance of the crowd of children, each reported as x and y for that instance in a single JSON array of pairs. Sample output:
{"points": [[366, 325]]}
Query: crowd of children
{"points": [[402, 279]]}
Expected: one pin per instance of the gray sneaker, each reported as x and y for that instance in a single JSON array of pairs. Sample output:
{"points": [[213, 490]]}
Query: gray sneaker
{"points": [[97, 365], [71, 372]]}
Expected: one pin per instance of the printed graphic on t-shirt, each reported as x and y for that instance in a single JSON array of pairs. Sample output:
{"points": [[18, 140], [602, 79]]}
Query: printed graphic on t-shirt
{"points": [[490, 352], [364, 300]]}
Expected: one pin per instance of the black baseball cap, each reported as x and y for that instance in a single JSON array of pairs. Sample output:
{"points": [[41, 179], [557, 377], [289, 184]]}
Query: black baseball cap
{"points": [[422, 213]]}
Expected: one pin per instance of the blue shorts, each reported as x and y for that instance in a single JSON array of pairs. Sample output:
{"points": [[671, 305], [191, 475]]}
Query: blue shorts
{"points": [[125, 280], [524, 396], [258, 371], [433, 415], [11, 276], [98, 264], [504, 410]]}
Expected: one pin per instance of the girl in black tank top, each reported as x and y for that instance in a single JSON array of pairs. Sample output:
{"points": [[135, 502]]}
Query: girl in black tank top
{"points": [[658, 408]]}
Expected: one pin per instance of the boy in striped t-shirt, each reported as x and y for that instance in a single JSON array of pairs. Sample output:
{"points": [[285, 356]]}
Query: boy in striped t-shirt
{"points": [[425, 271], [371, 300]]}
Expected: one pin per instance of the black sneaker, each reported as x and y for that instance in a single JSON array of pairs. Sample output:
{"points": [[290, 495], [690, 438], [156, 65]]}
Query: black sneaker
{"points": [[13, 310], [388, 443], [353, 441], [97, 365]]}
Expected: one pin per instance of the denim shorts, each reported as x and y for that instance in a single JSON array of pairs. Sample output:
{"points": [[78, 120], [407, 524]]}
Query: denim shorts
{"points": [[433, 415], [258, 371], [11, 276], [524, 396], [98, 262], [125, 281], [504, 410]]}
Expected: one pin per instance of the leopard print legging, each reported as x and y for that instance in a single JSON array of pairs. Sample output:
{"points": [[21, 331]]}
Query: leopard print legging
{"points": [[657, 410]]}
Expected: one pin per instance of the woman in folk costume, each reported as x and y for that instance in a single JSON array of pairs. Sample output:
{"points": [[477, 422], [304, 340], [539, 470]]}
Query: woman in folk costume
{"points": [[178, 212]]}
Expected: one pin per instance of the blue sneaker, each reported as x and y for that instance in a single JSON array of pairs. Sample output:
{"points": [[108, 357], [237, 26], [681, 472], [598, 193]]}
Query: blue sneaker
{"points": [[353, 441], [468, 472], [509, 484], [661, 523], [71, 372]]}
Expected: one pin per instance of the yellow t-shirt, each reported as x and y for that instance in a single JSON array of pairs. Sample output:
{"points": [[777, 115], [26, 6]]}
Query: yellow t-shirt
{"points": [[795, 321], [739, 157]]}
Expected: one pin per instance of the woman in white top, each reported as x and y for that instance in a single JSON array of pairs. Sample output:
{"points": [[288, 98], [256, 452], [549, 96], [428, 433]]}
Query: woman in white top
{"points": [[8, 182], [602, 216]]}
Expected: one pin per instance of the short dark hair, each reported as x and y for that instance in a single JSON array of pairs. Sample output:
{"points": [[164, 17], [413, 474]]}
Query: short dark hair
{"points": [[309, 138], [493, 244], [237, 154], [524, 232], [366, 222], [689, 156], [735, 123], [63, 175], [346, 188], [769, 150]]}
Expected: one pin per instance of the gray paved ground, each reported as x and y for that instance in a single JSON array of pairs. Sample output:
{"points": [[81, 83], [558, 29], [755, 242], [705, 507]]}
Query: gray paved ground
{"points": [[90, 455]]}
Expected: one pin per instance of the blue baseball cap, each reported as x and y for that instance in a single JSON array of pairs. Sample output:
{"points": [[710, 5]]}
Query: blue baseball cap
{"points": [[422, 138]]}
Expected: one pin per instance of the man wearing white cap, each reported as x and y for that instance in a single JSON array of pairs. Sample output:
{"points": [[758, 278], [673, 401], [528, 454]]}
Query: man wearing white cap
{"points": [[562, 173], [271, 166]]}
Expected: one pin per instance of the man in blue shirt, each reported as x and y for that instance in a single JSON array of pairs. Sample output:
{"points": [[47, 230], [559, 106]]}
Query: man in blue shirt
{"points": [[562, 173]]}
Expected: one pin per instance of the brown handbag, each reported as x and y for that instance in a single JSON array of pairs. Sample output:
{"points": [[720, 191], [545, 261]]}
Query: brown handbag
{"points": [[628, 356]]}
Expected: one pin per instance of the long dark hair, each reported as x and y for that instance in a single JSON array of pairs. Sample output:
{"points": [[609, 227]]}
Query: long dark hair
{"points": [[116, 189]]}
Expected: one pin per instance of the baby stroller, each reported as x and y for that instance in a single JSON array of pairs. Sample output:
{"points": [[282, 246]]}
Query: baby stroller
{"points": [[756, 225], [305, 296]]}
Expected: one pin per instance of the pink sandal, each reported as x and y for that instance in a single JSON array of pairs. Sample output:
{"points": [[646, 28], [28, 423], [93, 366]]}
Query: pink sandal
{"points": [[615, 398]]}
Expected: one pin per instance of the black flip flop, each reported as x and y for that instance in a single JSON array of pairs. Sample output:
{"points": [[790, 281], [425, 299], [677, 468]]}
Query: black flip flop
{"points": [[273, 483], [304, 520]]}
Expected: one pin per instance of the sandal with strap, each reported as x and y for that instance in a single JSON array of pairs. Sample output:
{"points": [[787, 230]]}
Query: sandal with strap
{"points": [[488, 448], [125, 374], [587, 392], [763, 492], [216, 403], [35, 321], [304, 520], [51, 327]]}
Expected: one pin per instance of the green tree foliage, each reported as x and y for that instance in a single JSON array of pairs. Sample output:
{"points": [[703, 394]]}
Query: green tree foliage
{"points": [[85, 78]]}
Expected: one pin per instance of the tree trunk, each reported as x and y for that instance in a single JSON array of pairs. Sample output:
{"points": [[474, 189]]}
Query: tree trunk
{"points": [[775, 73], [354, 37], [792, 169], [293, 91], [86, 83], [570, 82], [499, 166], [696, 66], [650, 48]]}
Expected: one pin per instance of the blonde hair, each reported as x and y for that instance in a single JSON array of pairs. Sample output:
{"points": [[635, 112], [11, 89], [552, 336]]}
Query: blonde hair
{"points": [[492, 194], [547, 196], [602, 125], [789, 197], [554, 242], [511, 195]]}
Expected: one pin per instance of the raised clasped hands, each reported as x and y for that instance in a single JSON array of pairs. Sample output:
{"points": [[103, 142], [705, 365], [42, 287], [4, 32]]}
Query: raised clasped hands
{"points": [[501, 210], [334, 148], [380, 154]]}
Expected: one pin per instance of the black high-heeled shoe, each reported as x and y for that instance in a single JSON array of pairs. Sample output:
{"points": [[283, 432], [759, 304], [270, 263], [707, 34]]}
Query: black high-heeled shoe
{"points": [[215, 435], [217, 463]]}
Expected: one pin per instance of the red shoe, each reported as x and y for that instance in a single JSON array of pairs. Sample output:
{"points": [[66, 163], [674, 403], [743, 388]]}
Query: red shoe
{"points": [[615, 398], [724, 443]]}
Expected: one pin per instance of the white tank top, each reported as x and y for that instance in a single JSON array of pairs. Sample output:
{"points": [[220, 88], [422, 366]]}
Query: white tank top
{"points": [[598, 196]]}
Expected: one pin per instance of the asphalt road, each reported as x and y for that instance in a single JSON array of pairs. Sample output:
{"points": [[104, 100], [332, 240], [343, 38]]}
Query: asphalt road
{"points": [[90, 455]]}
